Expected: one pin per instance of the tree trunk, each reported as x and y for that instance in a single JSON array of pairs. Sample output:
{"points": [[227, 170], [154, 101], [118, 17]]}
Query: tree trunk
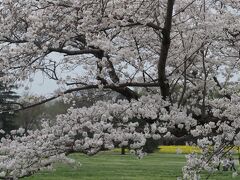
{"points": [[166, 40], [123, 151]]}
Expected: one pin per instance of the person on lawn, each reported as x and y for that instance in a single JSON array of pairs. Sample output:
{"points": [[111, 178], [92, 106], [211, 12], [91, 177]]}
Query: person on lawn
{"points": [[225, 164], [232, 164]]}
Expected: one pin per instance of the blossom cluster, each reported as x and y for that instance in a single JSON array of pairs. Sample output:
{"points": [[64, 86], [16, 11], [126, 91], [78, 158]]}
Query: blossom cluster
{"points": [[102, 126], [112, 45]]}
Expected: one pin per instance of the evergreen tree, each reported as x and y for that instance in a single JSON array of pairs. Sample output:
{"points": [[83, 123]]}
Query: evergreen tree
{"points": [[7, 103]]}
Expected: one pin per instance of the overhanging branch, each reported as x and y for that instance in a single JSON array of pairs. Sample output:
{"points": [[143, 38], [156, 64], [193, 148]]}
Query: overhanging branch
{"points": [[117, 88]]}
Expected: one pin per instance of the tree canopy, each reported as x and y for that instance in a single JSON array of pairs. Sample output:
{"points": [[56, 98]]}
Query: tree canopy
{"points": [[181, 57]]}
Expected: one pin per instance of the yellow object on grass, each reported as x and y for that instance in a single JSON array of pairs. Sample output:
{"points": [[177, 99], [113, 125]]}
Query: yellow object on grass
{"points": [[179, 149], [189, 149]]}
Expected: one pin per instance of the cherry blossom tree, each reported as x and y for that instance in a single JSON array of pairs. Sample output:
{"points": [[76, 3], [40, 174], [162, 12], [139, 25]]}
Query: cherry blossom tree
{"points": [[181, 57]]}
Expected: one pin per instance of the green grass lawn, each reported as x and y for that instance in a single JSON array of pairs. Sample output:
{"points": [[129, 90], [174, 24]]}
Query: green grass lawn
{"points": [[112, 166]]}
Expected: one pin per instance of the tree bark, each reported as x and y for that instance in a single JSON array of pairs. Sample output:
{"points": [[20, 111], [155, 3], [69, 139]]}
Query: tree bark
{"points": [[166, 40], [123, 151]]}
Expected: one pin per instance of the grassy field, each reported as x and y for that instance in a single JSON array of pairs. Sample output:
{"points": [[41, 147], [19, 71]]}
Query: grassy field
{"points": [[112, 166]]}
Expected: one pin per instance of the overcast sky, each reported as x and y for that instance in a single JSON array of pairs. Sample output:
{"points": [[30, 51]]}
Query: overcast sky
{"points": [[40, 86]]}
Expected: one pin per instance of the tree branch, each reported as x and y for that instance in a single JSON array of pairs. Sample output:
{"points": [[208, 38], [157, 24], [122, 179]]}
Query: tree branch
{"points": [[121, 88], [77, 52]]}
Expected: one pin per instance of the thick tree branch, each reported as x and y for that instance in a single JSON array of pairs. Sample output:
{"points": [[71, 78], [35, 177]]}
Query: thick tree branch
{"points": [[112, 73], [164, 85], [121, 88], [77, 52]]}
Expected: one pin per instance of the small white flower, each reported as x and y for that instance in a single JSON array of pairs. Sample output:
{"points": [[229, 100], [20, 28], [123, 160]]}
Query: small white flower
{"points": [[3, 174], [178, 151], [2, 131]]}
